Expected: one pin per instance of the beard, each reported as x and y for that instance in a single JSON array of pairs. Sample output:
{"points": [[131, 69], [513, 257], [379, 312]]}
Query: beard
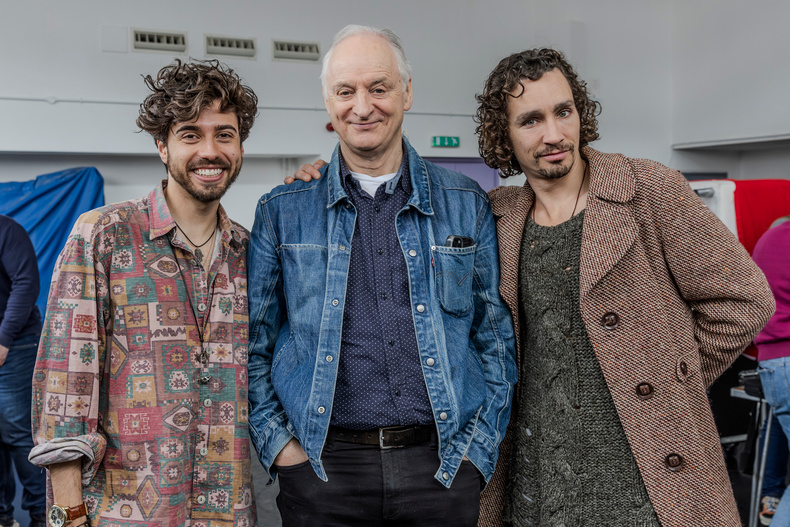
{"points": [[203, 194], [559, 170]]}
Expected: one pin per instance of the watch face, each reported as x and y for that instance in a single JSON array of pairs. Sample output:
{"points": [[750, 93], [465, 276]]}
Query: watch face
{"points": [[57, 516]]}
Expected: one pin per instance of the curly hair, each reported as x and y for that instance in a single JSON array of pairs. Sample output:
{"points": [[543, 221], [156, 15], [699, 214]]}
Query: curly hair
{"points": [[491, 117], [182, 90]]}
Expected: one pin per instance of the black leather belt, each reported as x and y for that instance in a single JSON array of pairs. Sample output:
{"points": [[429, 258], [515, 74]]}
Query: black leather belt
{"points": [[386, 437]]}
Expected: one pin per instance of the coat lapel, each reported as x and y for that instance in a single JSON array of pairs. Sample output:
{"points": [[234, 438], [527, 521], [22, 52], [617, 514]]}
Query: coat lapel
{"points": [[511, 206], [610, 228]]}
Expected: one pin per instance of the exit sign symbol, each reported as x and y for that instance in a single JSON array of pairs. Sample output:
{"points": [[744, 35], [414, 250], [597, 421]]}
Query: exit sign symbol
{"points": [[446, 141]]}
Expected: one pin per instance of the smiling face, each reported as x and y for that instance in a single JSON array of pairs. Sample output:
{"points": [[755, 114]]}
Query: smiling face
{"points": [[203, 157], [365, 96], [544, 127]]}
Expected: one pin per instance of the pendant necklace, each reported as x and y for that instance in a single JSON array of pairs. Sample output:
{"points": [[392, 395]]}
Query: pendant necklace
{"points": [[198, 253]]}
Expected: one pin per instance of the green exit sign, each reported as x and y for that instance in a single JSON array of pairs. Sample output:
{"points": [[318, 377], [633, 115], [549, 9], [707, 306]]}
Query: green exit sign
{"points": [[446, 141]]}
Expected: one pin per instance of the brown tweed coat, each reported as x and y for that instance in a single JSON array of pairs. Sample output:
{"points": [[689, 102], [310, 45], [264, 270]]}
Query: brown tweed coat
{"points": [[669, 298]]}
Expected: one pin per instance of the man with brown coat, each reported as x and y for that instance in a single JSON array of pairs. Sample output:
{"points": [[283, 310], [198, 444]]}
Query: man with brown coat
{"points": [[629, 297]]}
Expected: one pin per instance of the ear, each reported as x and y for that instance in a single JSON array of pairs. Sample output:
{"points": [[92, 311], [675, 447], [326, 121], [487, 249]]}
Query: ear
{"points": [[407, 101], [162, 148]]}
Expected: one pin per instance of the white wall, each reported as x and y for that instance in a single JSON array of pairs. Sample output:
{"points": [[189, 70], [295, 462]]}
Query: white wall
{"points": [[61, 94], [730, 77]]}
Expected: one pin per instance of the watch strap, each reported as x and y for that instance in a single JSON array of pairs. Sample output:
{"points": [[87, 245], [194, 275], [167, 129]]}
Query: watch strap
{"points": [[72, 513]]}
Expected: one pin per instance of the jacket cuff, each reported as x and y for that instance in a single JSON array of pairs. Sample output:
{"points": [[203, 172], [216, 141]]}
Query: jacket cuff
{"points": [[483, 454]]}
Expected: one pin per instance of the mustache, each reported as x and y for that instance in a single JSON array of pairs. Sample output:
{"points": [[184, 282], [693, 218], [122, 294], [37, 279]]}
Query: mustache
{"points": [[203, 163], [554, 149]]}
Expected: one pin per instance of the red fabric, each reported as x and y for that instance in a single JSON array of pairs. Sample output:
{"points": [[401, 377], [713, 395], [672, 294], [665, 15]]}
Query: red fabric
{"points": [[758, 202]]}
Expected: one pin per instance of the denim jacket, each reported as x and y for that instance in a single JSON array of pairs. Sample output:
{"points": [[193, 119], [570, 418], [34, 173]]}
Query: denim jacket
{"points": [[298, 260]]}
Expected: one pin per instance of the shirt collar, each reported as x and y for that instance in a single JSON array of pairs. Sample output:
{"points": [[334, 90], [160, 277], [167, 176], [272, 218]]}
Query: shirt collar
{"points": [[162, 222], [401, 179]]}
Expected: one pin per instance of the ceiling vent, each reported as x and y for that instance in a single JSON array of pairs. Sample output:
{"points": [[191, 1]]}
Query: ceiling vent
{"points": [[308, 51], [230, 47], [169, 41]]}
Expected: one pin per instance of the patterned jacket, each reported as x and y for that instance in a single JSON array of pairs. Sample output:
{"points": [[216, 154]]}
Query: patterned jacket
{"points": [[669, 299], [123, 382]]}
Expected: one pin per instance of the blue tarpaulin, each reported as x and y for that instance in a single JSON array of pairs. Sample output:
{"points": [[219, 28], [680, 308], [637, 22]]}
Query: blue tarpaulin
{"points": [[47, 208]]}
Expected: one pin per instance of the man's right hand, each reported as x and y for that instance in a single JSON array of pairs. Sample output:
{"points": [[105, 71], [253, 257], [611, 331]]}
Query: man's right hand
{"points": [[306, 172], [291, 454]]}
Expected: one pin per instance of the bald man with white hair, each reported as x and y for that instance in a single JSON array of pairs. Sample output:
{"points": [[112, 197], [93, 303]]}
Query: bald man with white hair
{"points": [[382, 358]]}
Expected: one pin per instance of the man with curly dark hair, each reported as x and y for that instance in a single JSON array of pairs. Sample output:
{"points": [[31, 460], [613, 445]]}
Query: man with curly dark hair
{"points": [[629, 297], [140, 392]]}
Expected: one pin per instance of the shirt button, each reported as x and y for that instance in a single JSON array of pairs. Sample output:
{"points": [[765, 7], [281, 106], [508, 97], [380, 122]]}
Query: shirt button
{"points": [[420, 308], [412, 252], [201, 499], [443, 416], [321, 409], [430, 362], [383, 296], [206, 402], [379, 250], [204, 379], [201, 307], [203, 451], [335, 302], [377, 208], [391, 342], [329, 358], [445, 476]]}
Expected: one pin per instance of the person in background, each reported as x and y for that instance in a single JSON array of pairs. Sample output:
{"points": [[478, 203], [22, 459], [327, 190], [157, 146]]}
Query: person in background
{"points": [[20, 328], [139, 392], [382, 362], [772, 254]]}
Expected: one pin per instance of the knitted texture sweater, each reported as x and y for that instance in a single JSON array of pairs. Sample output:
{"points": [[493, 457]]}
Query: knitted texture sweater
{"points": [[571, 463]]}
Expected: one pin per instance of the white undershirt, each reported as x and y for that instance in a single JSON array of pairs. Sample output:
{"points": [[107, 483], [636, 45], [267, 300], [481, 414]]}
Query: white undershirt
{"points": [[370, 184]]}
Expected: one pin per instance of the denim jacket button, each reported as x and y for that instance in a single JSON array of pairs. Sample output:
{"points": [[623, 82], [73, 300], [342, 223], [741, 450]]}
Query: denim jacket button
{"points": [[321, 409], [412, 252], [443, 416], [335, 302], [430, 362], [342, 247], [445, 476], [420, 308], [329, 358]]}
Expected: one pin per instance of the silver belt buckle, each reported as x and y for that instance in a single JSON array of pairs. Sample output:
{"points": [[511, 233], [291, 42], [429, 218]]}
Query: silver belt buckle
{"points": [[381, 441]]}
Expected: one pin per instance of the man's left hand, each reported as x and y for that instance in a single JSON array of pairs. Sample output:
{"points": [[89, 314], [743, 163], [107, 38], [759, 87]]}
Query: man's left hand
{"points": [[3, 354]]}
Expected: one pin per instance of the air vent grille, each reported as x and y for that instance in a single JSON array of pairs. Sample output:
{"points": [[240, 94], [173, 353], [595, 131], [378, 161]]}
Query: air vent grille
{"points": [[159, 41], [308, 51], [229, 46]]}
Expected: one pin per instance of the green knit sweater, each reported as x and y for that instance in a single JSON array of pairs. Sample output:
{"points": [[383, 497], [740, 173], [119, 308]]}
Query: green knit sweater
{"points": [[571, 464]]}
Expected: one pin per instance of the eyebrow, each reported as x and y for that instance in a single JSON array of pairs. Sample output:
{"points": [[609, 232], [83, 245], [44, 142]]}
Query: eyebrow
{"points": [[195, 128], [537, 113]]}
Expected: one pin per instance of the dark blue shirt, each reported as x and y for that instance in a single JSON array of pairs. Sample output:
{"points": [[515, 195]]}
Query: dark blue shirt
{"points": [[380, 380], [19, 283]]}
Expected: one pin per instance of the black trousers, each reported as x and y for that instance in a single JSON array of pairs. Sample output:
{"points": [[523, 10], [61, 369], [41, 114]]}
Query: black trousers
{"points": [[372, 487]]}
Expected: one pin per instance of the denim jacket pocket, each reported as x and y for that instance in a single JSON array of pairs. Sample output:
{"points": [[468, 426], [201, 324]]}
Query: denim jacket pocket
{"points": [[454, 270]]}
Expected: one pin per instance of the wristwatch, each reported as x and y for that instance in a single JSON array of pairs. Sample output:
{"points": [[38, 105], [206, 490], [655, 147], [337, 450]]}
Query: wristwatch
{"points": [[60, 516]]}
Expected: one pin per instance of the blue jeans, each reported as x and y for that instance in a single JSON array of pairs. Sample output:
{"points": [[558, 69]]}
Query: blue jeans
{"points": [[16, 440], [775, 376], [776, 460]]}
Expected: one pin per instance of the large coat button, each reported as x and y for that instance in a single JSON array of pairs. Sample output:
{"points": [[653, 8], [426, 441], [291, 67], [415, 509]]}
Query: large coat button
{"points": [[674, 462], [610, 320], [644, 390]]}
